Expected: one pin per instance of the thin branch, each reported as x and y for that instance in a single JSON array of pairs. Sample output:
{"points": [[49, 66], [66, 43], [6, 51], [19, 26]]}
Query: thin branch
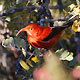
{"points": [[10, 22], [78, 3], [28, 3], [15, 50], [13, 10], [60, 4]]}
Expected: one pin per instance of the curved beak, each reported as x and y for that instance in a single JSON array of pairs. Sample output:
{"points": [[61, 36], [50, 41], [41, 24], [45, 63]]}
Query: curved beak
{"points": [[23, 29]]}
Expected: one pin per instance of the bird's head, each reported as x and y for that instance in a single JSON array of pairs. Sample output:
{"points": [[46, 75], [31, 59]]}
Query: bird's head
{"points": [[32, 30]]}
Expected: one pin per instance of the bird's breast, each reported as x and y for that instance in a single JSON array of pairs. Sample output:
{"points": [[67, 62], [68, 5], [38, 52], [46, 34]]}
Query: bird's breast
{"points": [[32, 39]]}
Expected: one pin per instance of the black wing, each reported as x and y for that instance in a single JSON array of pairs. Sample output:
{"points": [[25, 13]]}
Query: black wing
{"points": [[55, 31]]}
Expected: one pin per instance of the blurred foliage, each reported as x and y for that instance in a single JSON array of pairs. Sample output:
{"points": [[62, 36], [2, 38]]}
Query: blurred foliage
{"points": [[52, 69], [25, 61]]}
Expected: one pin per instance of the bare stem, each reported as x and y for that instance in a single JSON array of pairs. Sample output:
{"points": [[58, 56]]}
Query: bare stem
{"points": [[78, 3]]}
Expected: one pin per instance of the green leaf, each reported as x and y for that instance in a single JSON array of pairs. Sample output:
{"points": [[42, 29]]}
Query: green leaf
{"points": [[17, 42], [69, 58], [23, 43], [8, 41], [20, 43], [59, 52], [64, 54]]}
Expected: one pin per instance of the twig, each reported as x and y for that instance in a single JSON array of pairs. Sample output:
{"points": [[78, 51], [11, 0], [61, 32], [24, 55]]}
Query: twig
{"points": [[13, 10], [10, 22], [61, 7], [15, 50], [78, 3], [28, 3], [19, 2]]}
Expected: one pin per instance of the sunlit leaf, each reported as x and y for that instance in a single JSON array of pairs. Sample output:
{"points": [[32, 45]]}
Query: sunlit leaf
{"points": [[24, 52], [76, 26], [35, 59], [64, 54], [75, 10], [46, 17], [8, 19], [36, 10], [31, 21], [30, 47], [24, 65], [72, 6], [70, 57], [59, 52]]}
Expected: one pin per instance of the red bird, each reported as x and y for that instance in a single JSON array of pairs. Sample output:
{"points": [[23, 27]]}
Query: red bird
{"points": [[42, 37]]}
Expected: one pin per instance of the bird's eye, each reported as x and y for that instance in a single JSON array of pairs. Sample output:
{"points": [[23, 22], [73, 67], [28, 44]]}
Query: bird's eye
{"points": [[31, 29]]}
